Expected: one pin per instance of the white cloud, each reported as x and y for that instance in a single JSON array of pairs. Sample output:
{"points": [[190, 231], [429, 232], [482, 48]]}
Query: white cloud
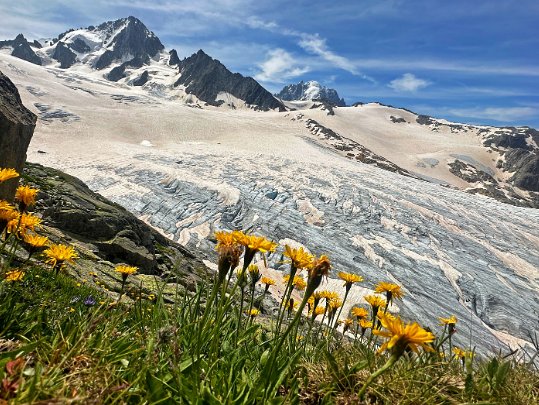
{"points": [[408, 82], [502, 114], [316, 45], [280, 66]]}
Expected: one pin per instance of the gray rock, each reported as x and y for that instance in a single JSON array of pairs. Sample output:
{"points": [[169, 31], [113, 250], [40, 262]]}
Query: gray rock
{"points": [[115, 235], [17, 125], [118, 72], [78, 45], [174, 59], [64, 55], [206, 78], [142, 79], [133, 39], [22, 50]]}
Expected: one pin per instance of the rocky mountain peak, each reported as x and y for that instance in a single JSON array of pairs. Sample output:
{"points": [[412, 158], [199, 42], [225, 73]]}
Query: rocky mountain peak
{"points": [[21, 49], [126, 38], [207, 78], [310, 90]]}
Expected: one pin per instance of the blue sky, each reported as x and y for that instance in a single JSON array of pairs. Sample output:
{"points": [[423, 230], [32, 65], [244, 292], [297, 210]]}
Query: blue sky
{"points": [[468, 61]]}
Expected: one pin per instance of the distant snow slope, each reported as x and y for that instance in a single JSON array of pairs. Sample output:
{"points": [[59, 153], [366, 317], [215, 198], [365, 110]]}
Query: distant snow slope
{"points": [[274, 174]]}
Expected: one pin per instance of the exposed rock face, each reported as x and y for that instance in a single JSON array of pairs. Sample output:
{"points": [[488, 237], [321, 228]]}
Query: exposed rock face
{"points": [[311, 90], [133, 39], [67, 204], [520, 150], [78, 45], [119, 73], [64, 55], [17, 125], [174, 59], [22, 50], [142, 79], [206, 77]]}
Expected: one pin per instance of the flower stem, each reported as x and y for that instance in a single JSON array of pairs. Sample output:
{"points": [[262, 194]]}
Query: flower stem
{"points": [[392, 360]]}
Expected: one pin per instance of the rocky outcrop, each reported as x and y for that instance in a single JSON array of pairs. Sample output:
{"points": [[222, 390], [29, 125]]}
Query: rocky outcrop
{"points": [[206, 77], [17, 125], [78, 45], [118, 72], [174, 58], [22, 50], [349, 148], [112, 233], [142, 79], [520, 150], [132, 39], [311, 90], [64, 55]]}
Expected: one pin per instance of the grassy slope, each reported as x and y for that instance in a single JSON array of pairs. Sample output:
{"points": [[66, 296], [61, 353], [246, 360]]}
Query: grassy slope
{"points": [[55, 348]]}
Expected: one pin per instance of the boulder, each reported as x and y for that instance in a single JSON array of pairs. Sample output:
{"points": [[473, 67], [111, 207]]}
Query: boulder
{"points": [[17, 125]]}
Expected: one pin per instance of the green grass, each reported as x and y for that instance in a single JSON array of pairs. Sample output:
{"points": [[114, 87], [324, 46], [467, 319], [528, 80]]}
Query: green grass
{"points": [[55, 348]]}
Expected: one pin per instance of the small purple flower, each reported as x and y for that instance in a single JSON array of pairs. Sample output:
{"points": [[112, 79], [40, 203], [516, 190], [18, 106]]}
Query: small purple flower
{"points": [[90, 301]]}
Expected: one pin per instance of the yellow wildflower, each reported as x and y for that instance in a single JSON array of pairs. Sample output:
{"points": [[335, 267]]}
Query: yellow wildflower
{"points": [[7, 214], [254, 274], [349, 279], [23, 223], [58, 255], [319, 310], [26, 196], [375, 302], [7, 174], [391, 291], [14, 275], [125, 271], [386, 314], [253, 312], [267, 280], [319, 268], [459, 353], [298, 282], [401, 336], [449, 323], [229, 252], [452, 320], [35, 241], [259, 244], [359, 312], [335, 303], [299, 257], [347, 323], [365, 324]]}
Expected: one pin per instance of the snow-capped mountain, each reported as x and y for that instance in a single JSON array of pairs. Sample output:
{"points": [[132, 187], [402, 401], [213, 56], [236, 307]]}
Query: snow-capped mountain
{"points": [[127, 52], [310, 90]]}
